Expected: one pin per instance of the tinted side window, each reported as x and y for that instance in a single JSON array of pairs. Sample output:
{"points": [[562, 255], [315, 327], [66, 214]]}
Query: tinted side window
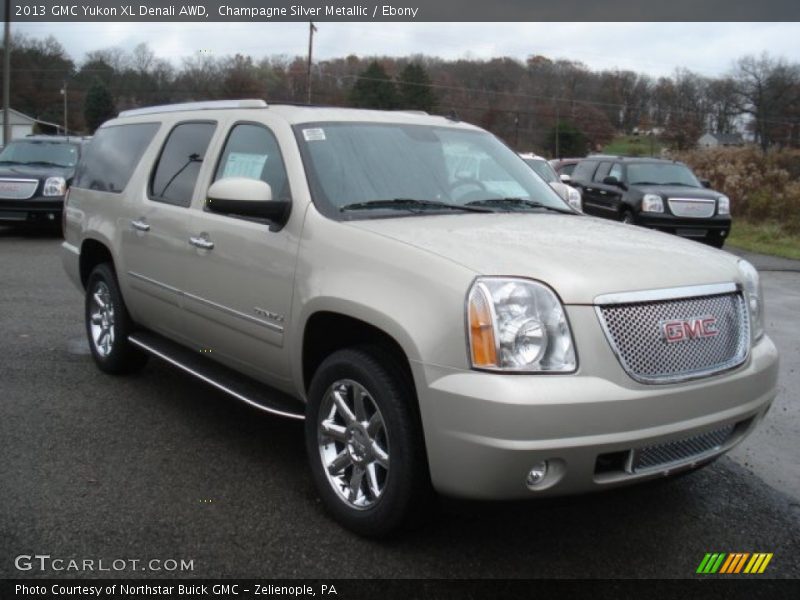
{"points": [[585, 170], [616, 171], [567, 169], [602, 171], [108, 161], [179, 164], [252, 151]]}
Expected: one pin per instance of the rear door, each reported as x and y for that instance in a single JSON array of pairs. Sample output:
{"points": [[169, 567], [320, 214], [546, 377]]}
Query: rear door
{"points": [[582, 178], [240, 277], [156, 235]]}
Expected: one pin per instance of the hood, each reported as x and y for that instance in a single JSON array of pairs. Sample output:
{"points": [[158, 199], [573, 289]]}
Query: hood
{"points": [[677, 191], [579, 257], [12, 171]]}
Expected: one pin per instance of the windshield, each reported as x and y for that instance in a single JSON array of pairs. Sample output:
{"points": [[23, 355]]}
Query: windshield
{"points": [[543, 169], [352, 164], [25, 152], [661, 174]]}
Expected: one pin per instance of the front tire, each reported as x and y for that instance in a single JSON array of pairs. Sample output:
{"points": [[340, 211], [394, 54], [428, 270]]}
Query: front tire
{"points": [[108, 324], [364, 442]]}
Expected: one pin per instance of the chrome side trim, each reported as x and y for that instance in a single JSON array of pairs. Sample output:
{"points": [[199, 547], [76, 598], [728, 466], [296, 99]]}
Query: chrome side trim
{"points": [[692, 291], [212, 382], [163, 286], [201, 300], [233, 313]]}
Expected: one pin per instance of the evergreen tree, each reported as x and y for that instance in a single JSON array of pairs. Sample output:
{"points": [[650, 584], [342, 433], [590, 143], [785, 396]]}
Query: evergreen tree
{"points": [[99, 106], [415, 89], [571, 140], [374, 89]]}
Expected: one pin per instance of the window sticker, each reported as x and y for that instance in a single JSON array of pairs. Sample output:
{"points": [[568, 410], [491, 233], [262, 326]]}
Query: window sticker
{"points": [[241, 164], [316, 134]]}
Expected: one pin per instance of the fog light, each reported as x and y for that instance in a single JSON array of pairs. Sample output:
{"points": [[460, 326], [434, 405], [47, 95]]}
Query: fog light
{"points": [[51, 216], [537, 474]]}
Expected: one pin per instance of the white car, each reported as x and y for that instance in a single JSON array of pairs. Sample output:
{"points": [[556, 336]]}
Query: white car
{"points": [[545, 170]]}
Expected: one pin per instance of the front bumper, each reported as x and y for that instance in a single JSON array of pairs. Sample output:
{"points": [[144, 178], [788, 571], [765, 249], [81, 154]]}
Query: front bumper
{"points": [[717, 227], [38, 209], [484, 432]]}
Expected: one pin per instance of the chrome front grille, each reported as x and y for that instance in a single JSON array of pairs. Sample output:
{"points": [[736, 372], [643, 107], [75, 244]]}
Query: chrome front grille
{"points": [[679, 451], [637, 334], [17, 189], [693, 208]]}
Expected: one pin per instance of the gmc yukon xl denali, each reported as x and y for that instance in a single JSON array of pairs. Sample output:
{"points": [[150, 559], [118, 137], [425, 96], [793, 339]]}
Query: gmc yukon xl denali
{"points": [[476, 338]]}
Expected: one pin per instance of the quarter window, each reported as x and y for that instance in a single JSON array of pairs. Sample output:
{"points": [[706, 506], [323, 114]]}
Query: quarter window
{"points": [[178, 166], [253, 152], [108, 161]]}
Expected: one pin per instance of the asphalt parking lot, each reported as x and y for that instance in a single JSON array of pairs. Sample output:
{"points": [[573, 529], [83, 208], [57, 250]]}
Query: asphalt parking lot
{"points": [[160, 466]]}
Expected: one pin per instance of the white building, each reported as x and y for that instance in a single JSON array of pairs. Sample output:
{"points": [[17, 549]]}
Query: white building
{"points": [[715, 140], [22, 124]]}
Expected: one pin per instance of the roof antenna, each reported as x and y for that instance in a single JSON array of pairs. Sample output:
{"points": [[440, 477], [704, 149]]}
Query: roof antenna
{"points": [[453, 115]]}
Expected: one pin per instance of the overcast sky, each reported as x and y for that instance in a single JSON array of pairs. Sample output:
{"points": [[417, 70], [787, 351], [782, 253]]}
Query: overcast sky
{"points": [[654, 48]]}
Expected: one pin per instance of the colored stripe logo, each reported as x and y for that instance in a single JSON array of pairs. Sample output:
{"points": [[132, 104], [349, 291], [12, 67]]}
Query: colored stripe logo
{"points": [[734, 563]]}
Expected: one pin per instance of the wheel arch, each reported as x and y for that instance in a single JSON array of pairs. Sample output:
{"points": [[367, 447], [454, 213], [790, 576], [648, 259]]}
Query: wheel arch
{"points": [[92, 253]]}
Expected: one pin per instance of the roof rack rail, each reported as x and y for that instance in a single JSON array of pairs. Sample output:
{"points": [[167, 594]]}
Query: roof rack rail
{"points": [[208, 105]]}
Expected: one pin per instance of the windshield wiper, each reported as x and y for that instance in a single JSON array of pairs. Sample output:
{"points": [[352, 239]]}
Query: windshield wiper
{"points": [[679, 183], [517, 203], [46, 163], [410, 204]]}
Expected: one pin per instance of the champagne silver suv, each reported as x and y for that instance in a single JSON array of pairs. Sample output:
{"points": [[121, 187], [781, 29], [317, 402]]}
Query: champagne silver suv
{"points": [[478, 338]]}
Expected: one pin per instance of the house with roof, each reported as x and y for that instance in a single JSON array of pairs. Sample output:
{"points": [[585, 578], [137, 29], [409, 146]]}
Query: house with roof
{"points": [[22, 125], [717, 140]]}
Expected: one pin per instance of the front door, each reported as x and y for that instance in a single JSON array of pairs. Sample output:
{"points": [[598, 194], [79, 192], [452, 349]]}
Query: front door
{"points": [[240, 280]]}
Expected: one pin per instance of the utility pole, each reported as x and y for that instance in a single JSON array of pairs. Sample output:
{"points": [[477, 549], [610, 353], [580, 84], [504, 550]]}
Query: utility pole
{"points": [[7, 75], [311, 30], [558, 132], [64, 91]]}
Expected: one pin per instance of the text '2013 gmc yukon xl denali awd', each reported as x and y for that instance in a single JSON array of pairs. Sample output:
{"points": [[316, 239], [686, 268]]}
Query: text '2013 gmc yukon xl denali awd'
{"points": [[477, 338]]}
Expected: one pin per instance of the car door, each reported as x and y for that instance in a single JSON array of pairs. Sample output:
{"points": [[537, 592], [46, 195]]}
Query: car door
{"points": [[241, 274], [606, 197], [155, 238], [585, 176]]}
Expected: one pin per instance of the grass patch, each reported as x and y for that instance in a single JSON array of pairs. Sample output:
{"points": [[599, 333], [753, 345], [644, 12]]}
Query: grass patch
{"points": [[764, 238], [633, 145]]}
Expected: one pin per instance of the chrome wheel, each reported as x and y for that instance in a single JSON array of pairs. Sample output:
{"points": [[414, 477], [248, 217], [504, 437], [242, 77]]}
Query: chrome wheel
{"points": [[101, 324], [353, 444]]}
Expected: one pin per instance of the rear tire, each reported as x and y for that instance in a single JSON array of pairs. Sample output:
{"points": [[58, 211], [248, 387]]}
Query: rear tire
{"points": [[108, 324], [364, 442]]}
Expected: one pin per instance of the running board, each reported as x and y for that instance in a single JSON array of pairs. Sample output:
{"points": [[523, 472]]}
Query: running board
{"points": [[248, 390]]}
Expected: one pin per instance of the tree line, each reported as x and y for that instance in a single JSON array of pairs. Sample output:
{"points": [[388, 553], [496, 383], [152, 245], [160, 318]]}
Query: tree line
{"points": [[523, 102]]}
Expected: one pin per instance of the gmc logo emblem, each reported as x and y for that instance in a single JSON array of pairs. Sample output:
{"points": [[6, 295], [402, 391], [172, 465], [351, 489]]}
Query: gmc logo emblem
{"points": [[692, 328]]}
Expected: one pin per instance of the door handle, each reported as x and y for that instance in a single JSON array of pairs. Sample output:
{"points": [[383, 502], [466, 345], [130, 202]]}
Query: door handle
{"points": [[201, 242], [140, 225]]}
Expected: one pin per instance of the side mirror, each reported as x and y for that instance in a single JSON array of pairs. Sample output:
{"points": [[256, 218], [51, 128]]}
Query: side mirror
{"points": [[611, 180], [705, 183], [565, 178], [246, 198]]}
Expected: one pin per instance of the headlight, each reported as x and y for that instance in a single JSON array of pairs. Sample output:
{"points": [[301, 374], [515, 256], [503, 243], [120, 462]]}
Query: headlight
{"points": [[753, 296], [724, 205], [652, 203], [518, 325], [574, 198], [55, 186]]}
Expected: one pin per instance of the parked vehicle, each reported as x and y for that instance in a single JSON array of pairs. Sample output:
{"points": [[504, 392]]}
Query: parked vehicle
{"points": [[35, 172], [655, 193], [544, 170], [330, 264], [564, 167]]}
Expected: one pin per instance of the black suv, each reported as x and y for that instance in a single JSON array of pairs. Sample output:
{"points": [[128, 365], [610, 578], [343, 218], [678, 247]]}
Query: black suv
{"points": [[655, 193], [35, 172]]}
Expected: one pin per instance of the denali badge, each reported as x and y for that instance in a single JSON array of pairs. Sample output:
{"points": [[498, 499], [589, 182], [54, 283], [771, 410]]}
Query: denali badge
{"points": [[689, 329]]}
